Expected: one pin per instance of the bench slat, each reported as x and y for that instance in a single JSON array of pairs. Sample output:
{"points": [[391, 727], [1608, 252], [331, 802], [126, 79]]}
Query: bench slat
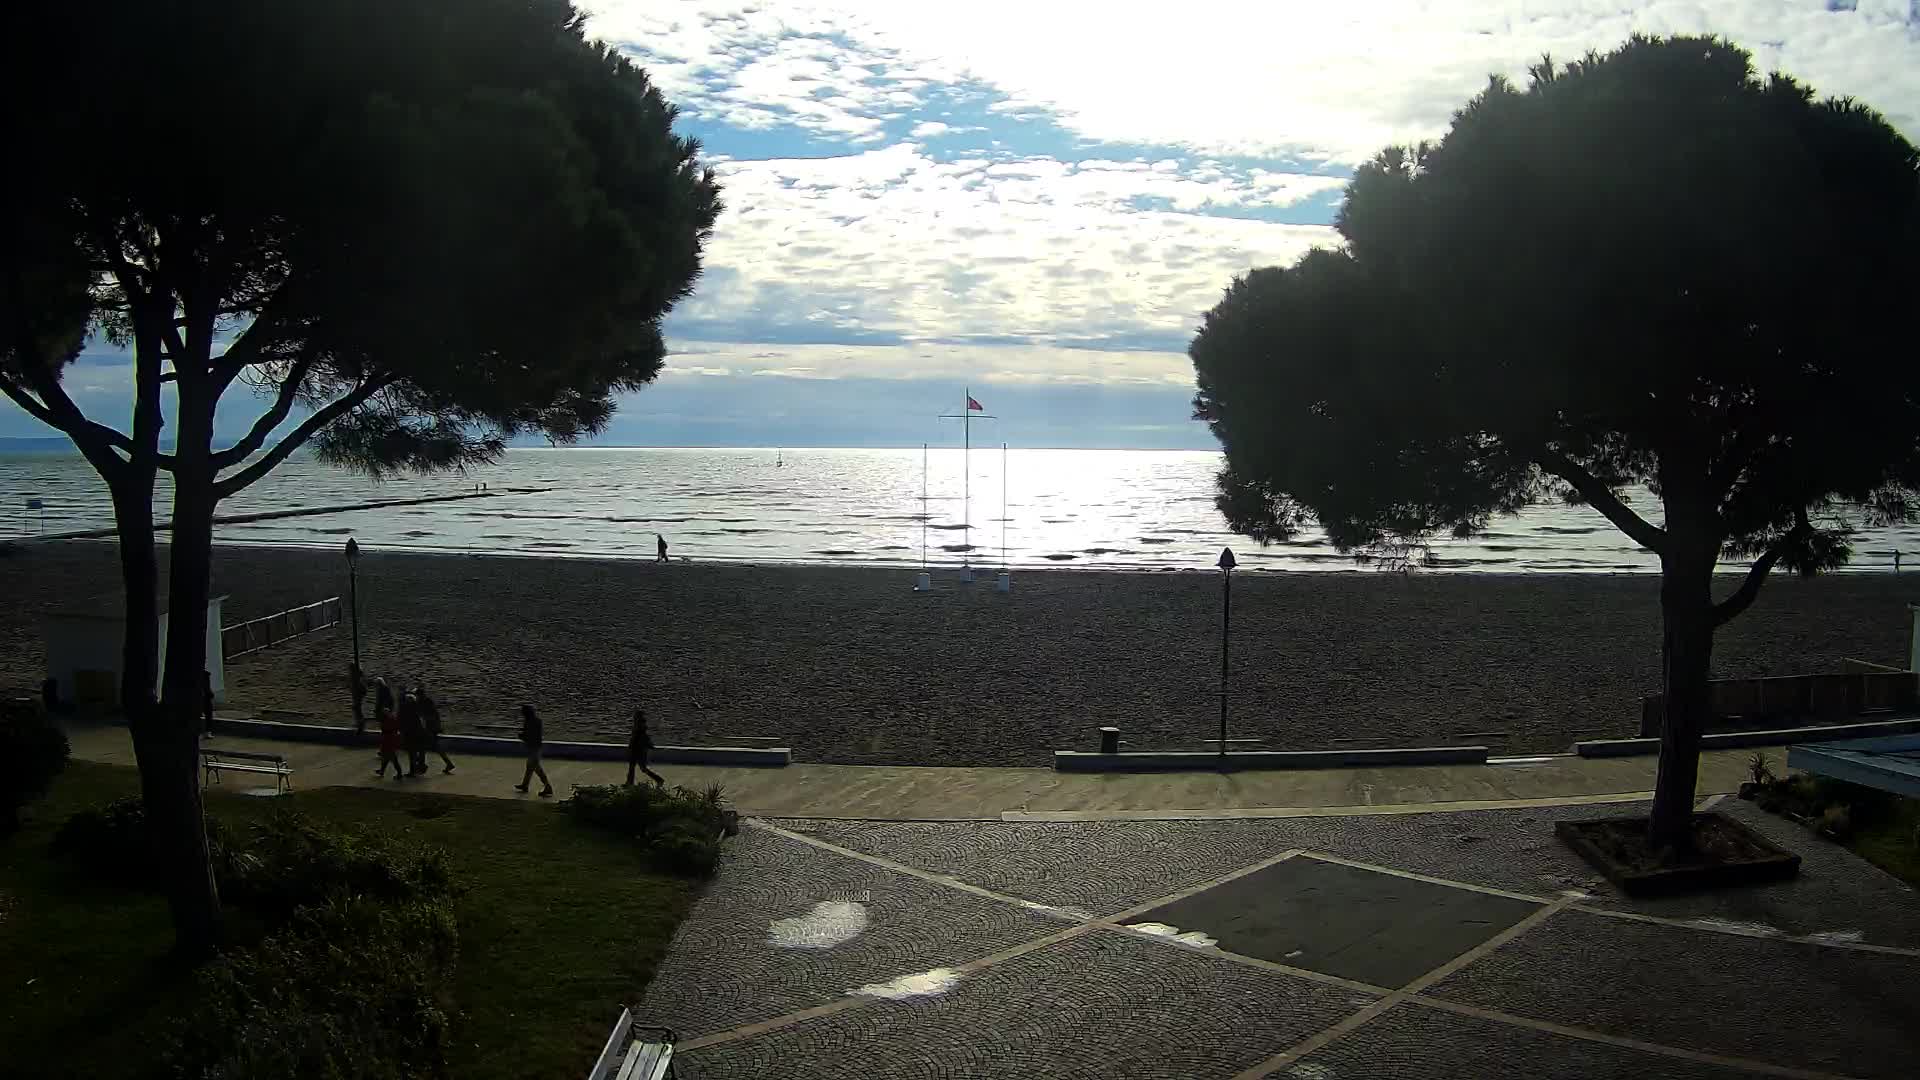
{"points": [[646, 1061]]}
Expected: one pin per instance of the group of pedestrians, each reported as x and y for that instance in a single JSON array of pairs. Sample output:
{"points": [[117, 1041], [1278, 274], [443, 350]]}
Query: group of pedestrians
{"points": [[408, 722], [411, 722], [533, 736]]}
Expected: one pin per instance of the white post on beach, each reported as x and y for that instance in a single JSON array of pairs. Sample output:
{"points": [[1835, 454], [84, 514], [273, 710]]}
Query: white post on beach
{"points": [[1004, 582], [923, 582], [966, 418]]}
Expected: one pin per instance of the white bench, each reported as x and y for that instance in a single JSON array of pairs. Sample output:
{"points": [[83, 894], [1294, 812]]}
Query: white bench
{"points": [[635, 1052], [216, 762]]}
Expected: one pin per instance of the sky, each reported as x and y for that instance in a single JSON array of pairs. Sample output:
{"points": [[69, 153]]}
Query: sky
{"points": [[1037, 201]]}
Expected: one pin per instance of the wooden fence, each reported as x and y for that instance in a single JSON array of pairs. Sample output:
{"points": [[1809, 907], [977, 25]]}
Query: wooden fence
{"points": [[1794, 700], [246, 637]]}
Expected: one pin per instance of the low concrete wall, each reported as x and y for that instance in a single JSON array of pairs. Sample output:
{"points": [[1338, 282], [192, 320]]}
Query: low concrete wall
{"points": [[1727, 740], [748, 756], [1236, 760]]}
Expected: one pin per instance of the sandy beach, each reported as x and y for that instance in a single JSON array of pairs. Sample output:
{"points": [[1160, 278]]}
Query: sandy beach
{"points": [[849, 665]]}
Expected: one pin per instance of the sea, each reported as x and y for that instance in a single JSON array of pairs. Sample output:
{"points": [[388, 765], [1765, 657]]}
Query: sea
{"points": [[1106, 509]]}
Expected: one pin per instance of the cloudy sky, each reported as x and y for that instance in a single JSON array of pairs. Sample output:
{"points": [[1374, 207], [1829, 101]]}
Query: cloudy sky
{"points": [[1038, 199]]}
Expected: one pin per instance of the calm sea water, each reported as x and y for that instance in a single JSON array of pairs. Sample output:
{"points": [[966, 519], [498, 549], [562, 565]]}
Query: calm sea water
{"points": [[1086, 508]]}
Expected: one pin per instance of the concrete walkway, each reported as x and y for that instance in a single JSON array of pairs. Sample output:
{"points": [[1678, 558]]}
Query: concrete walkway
{"points": [[899, 793]]}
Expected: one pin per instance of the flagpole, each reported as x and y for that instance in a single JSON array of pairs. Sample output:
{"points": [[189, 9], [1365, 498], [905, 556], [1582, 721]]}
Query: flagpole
{"points": [[1003, 506], [923, 506], [966, 476]]}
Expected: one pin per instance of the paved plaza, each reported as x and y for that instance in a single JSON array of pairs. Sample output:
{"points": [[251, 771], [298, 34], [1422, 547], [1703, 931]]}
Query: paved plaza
{"points": [[1435, 945]]}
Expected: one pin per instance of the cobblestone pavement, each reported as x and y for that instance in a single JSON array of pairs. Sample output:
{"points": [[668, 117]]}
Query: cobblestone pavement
{"points": [[828, 949]]}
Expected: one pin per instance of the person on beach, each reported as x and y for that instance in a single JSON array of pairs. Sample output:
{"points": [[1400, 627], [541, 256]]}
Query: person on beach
{"points": [[533, 736], [357, 683], [640, 750], [389, 729], [430, 720], [413, 734], [660, 543]]}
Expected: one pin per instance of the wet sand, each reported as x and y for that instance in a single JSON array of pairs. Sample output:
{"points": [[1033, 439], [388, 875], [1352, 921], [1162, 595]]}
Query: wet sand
{"points": [[849, 665]]}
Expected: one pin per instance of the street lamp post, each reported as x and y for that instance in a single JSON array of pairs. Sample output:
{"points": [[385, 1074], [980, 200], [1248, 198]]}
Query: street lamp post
{"points": [[1226, 564], [353, 595]]}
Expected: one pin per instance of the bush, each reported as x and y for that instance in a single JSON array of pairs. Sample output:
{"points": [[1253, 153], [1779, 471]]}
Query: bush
{"points": [[293, 863], [113, 843], [680, 827], [349, 988], [33, 750]]}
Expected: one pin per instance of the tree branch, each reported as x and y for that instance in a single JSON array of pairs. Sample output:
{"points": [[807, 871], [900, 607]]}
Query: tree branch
{"points": [[327, 414], [1743, 597], [88, 436], [1602, 498], [272, 418]]}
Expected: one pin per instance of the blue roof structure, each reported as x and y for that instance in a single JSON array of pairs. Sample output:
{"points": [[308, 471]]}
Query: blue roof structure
{"points": [[1890, 763]]}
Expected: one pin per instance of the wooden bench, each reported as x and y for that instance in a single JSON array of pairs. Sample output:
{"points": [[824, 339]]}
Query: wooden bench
{"points": [[635, 1051], [216, 762]]}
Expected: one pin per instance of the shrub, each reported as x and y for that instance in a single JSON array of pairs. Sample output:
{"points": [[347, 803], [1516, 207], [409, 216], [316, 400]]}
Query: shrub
{"points": [[349, 988], [1837, 821], [33, 750], [680, 827], [113, 843], [293, 862], [1759, 770]]}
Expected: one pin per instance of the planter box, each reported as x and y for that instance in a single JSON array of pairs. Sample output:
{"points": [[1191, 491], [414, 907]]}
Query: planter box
{"points": [[1729, 854]]}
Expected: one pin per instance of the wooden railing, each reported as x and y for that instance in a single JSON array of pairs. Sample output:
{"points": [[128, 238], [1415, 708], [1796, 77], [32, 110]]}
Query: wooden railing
{"points": [[1758, 703], [257, 634]]}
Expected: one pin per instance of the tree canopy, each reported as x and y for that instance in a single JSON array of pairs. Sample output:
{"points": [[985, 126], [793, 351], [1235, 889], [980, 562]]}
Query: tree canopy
{"points": [[408, 230], [427, 225], [1649, 267]]}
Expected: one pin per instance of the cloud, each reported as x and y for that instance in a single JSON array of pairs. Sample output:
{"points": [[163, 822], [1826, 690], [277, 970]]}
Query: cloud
{"points": [[927, 129], [892, 246], [957, 362], [1329, 82]]}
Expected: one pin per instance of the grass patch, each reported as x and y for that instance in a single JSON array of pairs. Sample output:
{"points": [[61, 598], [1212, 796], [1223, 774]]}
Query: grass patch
{"points": [[1893, 845], [559, 926]]}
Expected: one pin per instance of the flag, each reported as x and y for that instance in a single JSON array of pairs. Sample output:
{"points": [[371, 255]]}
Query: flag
{"points": [[974, 406]]}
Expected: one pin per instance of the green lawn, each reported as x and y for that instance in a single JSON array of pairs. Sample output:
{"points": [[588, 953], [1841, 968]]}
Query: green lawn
{"points": [[1893, 845], [559, 927]]}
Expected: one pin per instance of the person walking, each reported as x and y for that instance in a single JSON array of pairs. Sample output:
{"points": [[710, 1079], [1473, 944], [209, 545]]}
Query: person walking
{"points": [[389, 729], [660, 544], [533, 736], [413, 734], [640, 750], [357, 683], [430, 720]]}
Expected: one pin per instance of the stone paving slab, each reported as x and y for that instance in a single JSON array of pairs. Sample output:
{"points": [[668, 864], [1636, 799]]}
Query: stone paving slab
{"points": [[1375, 928], [1099, 867], [1096, 1007], [1109, 865], [844, 924], [1784, 1002], [1412, 1042]]}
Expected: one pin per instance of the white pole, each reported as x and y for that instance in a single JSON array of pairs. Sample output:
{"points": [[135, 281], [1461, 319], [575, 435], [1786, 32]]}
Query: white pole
{"points": [[923, 506], [1003, 506], [966, 476]]}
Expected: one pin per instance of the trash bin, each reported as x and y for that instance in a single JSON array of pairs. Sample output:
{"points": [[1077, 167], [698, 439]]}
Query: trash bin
{"points": [[1109, 740]]}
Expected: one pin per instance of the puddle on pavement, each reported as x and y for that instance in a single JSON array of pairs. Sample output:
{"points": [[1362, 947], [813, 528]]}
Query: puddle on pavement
{"points": [[830, 923], [923, 984], [1185, 937]]}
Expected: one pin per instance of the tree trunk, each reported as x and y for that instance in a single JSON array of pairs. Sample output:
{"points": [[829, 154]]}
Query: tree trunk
{"points": [[173, 794], [1686, 611]]}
